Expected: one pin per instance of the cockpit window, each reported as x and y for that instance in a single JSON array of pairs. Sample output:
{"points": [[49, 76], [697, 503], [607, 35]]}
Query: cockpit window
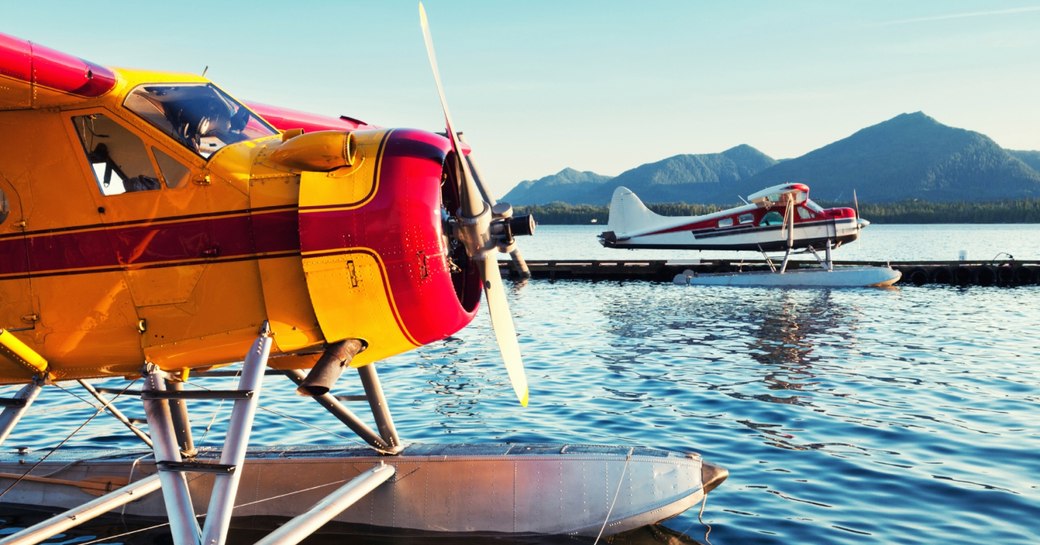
{"points": [[116, 155], [199, 116], [772, 218]]}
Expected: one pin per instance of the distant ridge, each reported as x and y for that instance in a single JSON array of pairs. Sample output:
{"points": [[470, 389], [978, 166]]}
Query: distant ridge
{"points": [[667, 179], [567, 185], [911, 156], [1031, 158]]}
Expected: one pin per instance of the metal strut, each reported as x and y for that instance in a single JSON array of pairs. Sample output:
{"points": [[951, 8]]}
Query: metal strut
{"points": [[16, 407], [380, 408], [789, 223], [345, 415], [305, 524], [57, 524], [115, 412], [323, 376], [184, 527]]}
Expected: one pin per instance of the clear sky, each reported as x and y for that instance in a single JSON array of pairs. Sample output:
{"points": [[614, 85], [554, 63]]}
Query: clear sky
{"points": [[539, 85]]}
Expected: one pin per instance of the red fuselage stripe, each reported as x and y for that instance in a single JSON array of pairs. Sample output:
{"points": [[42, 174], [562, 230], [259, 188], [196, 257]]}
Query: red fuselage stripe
{"points": [[149, 244]]}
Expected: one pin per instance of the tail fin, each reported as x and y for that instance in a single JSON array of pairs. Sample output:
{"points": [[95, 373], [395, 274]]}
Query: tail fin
{"points": [[628, 213]]}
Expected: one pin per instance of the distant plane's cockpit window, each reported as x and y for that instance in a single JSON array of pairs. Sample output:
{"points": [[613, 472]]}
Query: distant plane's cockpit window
{"points": [[809, 210], [772, 218], [116, 155], [199, 116]]}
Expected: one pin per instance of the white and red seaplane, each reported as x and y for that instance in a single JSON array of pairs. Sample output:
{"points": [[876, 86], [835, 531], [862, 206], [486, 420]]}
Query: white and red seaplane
{"points": [[153, 229], [778, 218]]}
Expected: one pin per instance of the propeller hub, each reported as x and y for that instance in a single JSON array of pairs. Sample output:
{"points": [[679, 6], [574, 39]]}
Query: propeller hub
{"points": [[523, 225], [504, 229]]}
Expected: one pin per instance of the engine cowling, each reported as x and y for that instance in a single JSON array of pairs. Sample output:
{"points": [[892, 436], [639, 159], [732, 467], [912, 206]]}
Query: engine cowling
{"points": [[378, 265]]}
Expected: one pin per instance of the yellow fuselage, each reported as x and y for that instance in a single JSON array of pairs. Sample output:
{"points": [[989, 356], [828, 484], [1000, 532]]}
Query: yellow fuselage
{"points": [[183, 276]]}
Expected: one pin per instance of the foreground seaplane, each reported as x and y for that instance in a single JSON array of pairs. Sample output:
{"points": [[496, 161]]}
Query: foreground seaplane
{"points": [[155, 228], [778, 218]]}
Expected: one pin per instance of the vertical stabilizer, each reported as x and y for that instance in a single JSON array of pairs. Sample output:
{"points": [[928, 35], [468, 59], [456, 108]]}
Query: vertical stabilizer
{"points": [[628, 213]]}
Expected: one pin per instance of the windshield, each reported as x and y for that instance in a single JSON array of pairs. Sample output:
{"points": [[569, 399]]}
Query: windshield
{"points": [[813, 206], [199, 116]]}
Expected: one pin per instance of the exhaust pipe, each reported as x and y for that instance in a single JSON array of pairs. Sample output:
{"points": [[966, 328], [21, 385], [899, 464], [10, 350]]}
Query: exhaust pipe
{"points": [[330, 366]]}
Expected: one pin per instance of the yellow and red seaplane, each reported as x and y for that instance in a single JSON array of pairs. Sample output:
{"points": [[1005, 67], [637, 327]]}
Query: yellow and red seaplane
{"points": [[154, 227]]}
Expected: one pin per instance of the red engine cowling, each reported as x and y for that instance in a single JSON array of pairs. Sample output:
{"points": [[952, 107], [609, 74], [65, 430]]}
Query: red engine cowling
{"points": [[378, 263]]}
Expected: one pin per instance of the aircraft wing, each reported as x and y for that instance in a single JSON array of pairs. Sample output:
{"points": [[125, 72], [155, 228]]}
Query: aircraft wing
{"points": [[34, 76], [779, 194]]}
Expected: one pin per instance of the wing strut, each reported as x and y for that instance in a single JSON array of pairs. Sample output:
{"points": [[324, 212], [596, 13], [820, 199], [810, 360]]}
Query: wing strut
{"points": [[789, 229]]}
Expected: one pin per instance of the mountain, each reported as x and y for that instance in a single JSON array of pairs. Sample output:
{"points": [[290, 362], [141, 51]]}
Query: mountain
{"points": [[689, 177], [910, 156], [1031, 158], [567, 185], [673, 179]]}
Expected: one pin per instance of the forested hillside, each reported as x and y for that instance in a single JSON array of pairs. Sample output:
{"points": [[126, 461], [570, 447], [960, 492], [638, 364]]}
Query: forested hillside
{"points": [[912, 211], [908, 157]]}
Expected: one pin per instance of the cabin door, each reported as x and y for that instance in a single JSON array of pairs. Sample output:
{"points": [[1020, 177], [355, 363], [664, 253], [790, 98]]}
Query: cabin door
{"points": [[17, 308]]}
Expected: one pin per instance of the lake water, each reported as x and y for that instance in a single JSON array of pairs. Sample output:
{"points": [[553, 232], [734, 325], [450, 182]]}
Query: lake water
{"points": [[905, 415], [878, 243]]}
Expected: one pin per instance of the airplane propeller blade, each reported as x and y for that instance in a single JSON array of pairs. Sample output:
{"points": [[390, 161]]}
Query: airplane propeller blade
{"points": [[502, 323], [468, 189], [484, 228], [860, 222]]}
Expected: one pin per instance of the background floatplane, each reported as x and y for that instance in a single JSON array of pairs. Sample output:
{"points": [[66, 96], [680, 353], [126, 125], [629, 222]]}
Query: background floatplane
{"points": [[778, 218]]}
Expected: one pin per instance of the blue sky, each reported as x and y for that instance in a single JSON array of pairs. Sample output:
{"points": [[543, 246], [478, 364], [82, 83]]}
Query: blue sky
{"points": [[539, 85]]}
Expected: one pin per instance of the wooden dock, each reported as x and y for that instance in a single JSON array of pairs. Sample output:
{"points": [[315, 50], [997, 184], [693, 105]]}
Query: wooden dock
{"points": [[915, 273]]}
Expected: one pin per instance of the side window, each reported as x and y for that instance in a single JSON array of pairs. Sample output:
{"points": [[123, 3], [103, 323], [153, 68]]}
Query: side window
{"points": [[804, 213], [117, 156], [726, 222], [746, 218], [173, 173], [772, 218]]}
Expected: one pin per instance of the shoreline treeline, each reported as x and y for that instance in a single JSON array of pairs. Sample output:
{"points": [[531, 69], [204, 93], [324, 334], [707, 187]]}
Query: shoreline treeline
{"points": [[913, 211]]}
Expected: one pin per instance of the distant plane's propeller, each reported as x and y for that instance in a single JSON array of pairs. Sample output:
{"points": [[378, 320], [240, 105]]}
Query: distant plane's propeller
{"points": [[484, 228], [860, 222]]}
